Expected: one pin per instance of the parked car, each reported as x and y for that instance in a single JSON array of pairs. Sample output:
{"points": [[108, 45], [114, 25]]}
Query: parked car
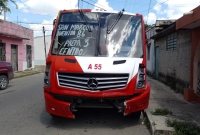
{"points": [[6, 74]]}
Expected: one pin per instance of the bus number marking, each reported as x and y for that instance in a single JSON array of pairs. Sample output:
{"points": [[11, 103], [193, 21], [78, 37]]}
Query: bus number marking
{"points": [[96, 66]]}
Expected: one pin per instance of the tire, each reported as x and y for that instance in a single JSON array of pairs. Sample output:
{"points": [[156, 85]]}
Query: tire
{"points": [[136, 115], [3, 82]]}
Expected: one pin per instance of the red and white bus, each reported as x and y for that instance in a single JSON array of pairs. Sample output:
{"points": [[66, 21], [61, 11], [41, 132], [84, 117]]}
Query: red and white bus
{"points": [[97, 59]]}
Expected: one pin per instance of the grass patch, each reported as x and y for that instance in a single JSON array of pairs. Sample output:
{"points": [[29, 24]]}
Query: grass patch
{"points": [[23, 74], [146, 122], [183, 128], [161, 111]]}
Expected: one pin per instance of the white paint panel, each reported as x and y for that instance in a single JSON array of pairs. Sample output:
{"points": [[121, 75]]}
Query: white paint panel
{"points": [[39, 51], [130, 66], [33, 64], [24, 65]]}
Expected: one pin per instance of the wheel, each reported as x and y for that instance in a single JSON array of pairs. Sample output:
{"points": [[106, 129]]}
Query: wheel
{"points": [[135, 115], [3, 82]]}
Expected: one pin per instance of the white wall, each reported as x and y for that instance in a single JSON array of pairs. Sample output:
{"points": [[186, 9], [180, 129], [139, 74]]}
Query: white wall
{"points": [[25, 65], [151, 62], [39, 53]]}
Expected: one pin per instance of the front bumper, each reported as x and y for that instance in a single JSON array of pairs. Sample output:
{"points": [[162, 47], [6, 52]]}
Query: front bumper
{"points": [[138, 103], [62, 108], [57, 107]]}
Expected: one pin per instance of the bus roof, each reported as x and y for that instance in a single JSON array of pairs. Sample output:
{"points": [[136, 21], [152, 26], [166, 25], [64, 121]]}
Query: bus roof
{"points": [[112, 11], [95, 10]]}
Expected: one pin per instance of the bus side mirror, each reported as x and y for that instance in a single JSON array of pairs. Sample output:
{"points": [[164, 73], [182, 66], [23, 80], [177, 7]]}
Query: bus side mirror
{"points": [[54, 23]]}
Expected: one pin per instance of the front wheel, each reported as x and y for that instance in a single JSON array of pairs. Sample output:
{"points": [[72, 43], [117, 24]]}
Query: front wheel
{"points": [[3, 82]]}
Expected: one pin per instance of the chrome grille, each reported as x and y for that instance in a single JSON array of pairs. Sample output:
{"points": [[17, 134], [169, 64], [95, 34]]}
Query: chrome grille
{"points": [[83, 80]]}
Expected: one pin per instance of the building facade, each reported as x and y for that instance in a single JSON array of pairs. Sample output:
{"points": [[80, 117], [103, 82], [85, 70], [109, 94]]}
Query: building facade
{"points": [[177, 54], [40, 49], [191, 21], [173, 57], [16, 45]]}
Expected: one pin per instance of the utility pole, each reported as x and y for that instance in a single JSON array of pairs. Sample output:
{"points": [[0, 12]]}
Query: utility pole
{"points": [[4, 14], [44, 43]]}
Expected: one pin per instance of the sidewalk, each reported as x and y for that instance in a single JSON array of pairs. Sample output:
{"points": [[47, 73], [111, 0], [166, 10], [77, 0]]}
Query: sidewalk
{"points": [[163, 96], [31, 71]]}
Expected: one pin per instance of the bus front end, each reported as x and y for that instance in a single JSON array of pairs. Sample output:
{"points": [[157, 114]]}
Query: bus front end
{"points": [[96, 60]]}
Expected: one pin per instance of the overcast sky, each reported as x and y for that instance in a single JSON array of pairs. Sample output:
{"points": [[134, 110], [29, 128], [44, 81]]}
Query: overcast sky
{"points": [[36, 13]]}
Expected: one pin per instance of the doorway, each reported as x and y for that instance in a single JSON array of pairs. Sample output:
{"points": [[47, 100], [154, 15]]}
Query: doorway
{"points": [[29, 56], [14, 57], [196, 70], [157, 61], [198, 79], [2, 52]]}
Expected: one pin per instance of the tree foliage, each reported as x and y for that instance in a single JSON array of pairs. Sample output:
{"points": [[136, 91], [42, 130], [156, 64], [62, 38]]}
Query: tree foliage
{"points": [[3, 5], [147, 26]]}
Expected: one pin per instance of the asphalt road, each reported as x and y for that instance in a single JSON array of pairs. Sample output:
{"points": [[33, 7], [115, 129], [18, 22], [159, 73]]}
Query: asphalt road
{"points": [[22, 112]]}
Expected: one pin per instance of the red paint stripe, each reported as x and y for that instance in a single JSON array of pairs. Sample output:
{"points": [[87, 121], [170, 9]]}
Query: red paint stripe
{"points": [[62, 65]]}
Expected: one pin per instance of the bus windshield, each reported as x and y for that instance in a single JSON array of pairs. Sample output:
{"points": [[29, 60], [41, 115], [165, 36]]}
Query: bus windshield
{"points": [[90, 37]]}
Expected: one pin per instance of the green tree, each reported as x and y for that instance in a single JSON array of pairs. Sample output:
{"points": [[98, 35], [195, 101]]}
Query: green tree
{"points": [[147, 26], [4, 7]]}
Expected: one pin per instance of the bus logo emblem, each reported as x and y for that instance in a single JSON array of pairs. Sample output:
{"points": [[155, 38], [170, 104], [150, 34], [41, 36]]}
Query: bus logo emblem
{"points": [[92, 83]]}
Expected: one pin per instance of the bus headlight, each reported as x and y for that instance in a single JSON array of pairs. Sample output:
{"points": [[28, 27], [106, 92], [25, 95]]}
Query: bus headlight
{"points": [[47, 75], [141, 77]]}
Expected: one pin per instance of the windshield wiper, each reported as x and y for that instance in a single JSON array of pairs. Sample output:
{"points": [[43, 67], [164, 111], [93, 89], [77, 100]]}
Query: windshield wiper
{"points": [[115, 22], [83, 17], [61, 46], [99, 33]]}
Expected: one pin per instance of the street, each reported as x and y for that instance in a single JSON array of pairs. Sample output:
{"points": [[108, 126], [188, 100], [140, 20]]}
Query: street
{"points": [[22, 112]]}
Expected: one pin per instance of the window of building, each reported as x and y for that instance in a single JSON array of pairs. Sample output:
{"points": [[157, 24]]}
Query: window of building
{"points": [[171, 43], [2, 52], [148, 51]]}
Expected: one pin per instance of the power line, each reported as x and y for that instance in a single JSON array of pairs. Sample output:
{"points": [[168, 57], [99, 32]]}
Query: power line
{"points": [[125, 4], [35, 11], [91, 4], [148, 11], [155, 6], [100, 6], [34, 23], [40, 30], [133, 5], [12, 18], [97, 4], [44, 6], [116, 4], [130, 5], [41, 12], [33, 29]]}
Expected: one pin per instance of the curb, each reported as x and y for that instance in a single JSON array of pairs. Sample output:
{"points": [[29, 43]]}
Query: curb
{"points": [[157, 124], [23, 74]]}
